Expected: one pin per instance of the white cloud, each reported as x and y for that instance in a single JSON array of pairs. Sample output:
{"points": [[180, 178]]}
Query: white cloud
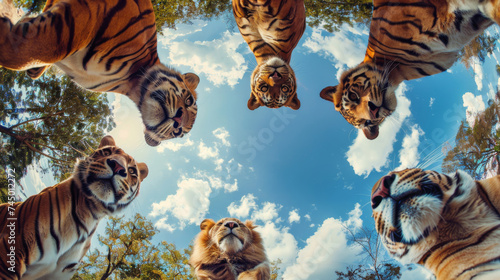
{"points": [[366, 155], [293, 216], [345, 47], [247, 203], [279, 243], [181, 30], [162, 224], [217, 183], [474, 105], [478, 72], [408, 155], [307, 217], [222, 134], [190, 203], [431, 101], [416, 272], [206, 152], [128, 123], [268, 212], [320, 258], [33, 181], [217, 59], [174, 145]]}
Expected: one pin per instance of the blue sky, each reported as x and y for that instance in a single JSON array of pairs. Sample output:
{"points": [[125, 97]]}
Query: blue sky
{"points": [[300, 175]]}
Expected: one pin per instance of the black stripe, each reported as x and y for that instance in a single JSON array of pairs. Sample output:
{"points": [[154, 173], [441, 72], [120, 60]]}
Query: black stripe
{"points": [[74, 200], [37, 229], [71, 25], [484, 196], [98, 40], [480, 240], [458, 20], [52, 231]]}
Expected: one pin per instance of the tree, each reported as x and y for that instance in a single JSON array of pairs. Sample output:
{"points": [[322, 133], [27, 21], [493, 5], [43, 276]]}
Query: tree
{"points": [[49, 118], [331, 14], [479, 48], [129, 254], [275, 269], [477, 145], [377, 268]]}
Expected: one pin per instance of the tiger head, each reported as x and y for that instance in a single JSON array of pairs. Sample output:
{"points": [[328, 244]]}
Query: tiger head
{"points": [[364, 97], [167, 103], [110, 177], [273, 85], [416, 209]]}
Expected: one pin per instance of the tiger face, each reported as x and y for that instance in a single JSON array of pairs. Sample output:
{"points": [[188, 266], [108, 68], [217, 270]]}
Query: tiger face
{"points": [[110, 176], [229, 234], [413, 212], [364, 97], [273, 85], [167, 103]]}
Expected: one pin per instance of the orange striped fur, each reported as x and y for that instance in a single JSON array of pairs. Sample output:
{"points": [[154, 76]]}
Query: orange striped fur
{"points": [[53, 229], [409, 39], [448, 223], [272, 29], [105, 46]]}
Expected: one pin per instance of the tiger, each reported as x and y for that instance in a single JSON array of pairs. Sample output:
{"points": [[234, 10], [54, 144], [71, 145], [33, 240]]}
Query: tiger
{"points": [[272, 29], [448, 223], [229, 250], [408, 39], [105, 46], [47, 235]]}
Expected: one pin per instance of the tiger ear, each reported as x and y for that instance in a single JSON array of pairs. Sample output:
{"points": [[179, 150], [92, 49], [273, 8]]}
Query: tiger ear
{"points": [[207, 224], [253, 103], [293, 103], [191, 80], [143, 170], [330, 94], [107, 141]]}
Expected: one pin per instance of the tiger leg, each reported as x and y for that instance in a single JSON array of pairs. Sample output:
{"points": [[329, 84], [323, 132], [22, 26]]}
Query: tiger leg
{"points": [[48, 38]]}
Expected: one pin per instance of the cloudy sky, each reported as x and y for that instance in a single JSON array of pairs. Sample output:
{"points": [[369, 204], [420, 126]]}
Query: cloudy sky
{"points": [[302, 176]]}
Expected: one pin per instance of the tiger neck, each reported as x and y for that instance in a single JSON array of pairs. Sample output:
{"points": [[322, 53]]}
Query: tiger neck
{"points": [[489, 191], [131, 87], [261, 59]]}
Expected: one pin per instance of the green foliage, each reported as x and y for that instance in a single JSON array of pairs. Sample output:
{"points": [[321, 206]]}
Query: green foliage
{"points": [[477, 147], [388, 271], [331, 14], [480, 47], [49, 118], [275, 269], [376, 268], [131, 255]]}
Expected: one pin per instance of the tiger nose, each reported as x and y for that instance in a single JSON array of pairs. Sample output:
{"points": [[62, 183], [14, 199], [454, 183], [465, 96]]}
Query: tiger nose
{"points": [[382, 190], [231, 225]]}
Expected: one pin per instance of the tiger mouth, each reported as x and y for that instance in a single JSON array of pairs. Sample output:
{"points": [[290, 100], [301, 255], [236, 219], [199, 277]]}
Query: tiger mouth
{"points": [[396, 235]]}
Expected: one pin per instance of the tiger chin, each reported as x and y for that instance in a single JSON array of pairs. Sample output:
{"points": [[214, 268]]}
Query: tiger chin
{"points": [[54, 228], [229, 250], [408, 40], [105, 46], [448, 223], [272, 29]]}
